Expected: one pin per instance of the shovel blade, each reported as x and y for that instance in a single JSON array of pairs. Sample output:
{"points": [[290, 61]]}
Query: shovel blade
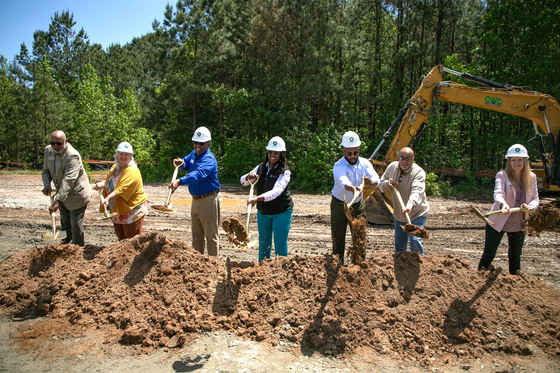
{"points": [[165, 209], [480, 215], [108, 216], [348, 213], [253, 240], [60, 235]]}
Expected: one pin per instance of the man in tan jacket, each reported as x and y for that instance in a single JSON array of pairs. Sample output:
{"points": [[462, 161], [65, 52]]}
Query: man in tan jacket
{"points": [[63, 166], [410, 181]]}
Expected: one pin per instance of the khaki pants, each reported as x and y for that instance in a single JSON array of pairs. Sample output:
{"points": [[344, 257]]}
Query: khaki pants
{"points": [[205, 217]]}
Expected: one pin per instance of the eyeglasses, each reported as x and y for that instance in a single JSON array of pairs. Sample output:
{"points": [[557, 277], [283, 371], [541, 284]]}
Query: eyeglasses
{"points": [[408, 159], [198, 143], [59, 143], [272, 152], [349, 154]]}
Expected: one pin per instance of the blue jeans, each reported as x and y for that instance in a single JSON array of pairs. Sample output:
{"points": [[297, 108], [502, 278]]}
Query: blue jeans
{"points": [[401, 237], [279, 224]]}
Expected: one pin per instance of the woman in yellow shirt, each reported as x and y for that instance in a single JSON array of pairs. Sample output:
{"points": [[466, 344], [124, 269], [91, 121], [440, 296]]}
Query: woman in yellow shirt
{"points": [[123, 193]]}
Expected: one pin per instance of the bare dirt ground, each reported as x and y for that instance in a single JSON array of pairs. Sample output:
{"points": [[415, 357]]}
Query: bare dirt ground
{"points": [[153, 304]]}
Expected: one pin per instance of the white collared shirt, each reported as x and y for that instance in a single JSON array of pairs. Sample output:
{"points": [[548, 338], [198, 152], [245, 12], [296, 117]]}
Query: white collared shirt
{"points": [[279, 186], [346, 174]]}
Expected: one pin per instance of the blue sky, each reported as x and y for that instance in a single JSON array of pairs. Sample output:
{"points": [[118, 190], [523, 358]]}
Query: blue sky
{"points": [[106, 22]]}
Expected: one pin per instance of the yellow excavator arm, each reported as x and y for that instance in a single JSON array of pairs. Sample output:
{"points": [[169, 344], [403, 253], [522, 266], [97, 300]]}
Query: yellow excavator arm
{"points": [[542, 109]]}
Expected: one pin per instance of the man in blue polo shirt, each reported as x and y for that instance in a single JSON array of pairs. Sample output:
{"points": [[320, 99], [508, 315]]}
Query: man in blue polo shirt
{"points": [[202, 180]]}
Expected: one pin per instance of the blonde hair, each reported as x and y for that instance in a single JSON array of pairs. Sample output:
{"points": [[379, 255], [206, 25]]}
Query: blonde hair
{"points": [[525, 179]]}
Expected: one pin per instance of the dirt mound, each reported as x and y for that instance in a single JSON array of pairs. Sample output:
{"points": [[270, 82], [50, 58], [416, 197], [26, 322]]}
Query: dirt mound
{"points": [[546, 216], [155, 292]]}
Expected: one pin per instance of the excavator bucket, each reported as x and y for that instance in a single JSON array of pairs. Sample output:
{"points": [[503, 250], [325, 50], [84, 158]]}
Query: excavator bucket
{"points": [[378, 209]]}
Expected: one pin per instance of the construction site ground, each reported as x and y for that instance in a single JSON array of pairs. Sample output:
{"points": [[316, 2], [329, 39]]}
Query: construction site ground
{"points": [[153, 304]]}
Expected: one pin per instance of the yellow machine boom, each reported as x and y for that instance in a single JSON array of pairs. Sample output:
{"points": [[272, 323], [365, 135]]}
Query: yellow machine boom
{"points": [[542, 109]]}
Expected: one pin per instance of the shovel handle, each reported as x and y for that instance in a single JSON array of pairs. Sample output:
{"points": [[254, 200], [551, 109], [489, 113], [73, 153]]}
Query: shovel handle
{"points": [[53, 224], [401, 202], [250, 205], [510, 211], [170, 189], [102, 200], [357, 193]]}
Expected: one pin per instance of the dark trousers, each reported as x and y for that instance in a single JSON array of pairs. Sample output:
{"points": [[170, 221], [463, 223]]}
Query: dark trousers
{"points": [[72, 221], [339, 222], [491, 243], [124, 231]]}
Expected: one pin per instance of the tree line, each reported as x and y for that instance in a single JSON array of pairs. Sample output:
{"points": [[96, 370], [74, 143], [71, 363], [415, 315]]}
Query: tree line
{"points": [[304, 70]]}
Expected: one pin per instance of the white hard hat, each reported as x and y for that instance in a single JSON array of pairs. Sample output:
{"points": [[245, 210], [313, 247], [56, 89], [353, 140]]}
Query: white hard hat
{"points": [[517, 150], [124, 147], [202, 134], [276, 144], [350, 140]]}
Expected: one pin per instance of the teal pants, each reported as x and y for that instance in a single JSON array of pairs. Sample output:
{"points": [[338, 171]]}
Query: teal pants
{"points": [[277, 225]]}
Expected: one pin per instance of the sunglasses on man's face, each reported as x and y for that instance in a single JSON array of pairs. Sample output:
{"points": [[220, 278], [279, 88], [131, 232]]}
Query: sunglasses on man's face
{"points": [[349, 154], [408, 159], [198, 143], [58, 143]]}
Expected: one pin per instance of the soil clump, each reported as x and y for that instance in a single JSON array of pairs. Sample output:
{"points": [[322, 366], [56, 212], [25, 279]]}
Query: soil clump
{"points": [[236, 231], [546, 216], [357, 251], [416, 231]]}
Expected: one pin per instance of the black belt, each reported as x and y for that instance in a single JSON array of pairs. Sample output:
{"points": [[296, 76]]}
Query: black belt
{"points": [[340, 201], [207, 195]]}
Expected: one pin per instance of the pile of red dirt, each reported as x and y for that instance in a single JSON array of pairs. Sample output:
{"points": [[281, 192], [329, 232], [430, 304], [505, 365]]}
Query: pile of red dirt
{"points": [[155, 292]]}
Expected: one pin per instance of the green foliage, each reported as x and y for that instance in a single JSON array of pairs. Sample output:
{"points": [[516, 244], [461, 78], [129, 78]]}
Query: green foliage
{"points": [[475, 188], [101, 121], [241, 156], [435, 188], [313, 163]]}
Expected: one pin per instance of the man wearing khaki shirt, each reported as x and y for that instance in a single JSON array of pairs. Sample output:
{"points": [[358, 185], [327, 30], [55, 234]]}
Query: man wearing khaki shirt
{"points": [[410, 180], [63, 166]]}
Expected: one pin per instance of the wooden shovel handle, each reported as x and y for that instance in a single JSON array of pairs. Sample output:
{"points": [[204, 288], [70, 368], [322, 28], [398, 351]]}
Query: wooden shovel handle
{"points": [[102, 204], [249, 205], [510, 211], [170, 189], [357, 193], [400, 202]]}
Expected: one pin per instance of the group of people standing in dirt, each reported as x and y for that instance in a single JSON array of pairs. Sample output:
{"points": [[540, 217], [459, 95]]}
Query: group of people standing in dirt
{"points": [[122, 192]]}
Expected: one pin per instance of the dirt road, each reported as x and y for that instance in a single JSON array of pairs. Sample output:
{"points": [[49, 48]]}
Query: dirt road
{"points": [[454, 231]]}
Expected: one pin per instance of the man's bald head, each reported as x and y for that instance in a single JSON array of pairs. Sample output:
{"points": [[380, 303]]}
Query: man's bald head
{"points": [[59, 135], [58, 141], [406, 152]]}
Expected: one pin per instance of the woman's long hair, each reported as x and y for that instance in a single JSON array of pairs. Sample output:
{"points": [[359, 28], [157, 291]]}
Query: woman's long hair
{"points": [[525, 179], [282, 164]]}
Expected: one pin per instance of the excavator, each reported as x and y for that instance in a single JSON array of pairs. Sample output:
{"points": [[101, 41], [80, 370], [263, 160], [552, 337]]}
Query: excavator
{"points": [[541, 109]]}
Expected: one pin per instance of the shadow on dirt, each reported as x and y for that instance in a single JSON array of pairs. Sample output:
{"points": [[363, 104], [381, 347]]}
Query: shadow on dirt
{"points": [[460, 313]]}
